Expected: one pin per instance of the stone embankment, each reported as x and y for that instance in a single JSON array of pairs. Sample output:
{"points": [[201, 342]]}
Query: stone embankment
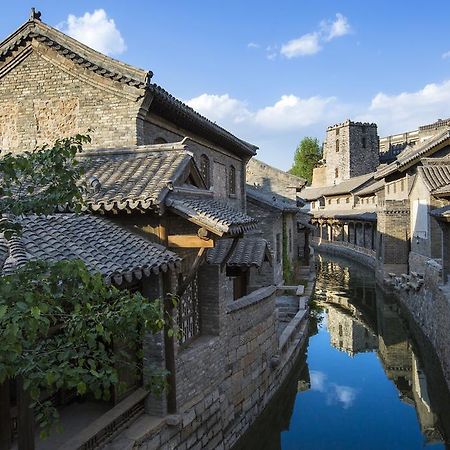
{"points": [[261, 346]]}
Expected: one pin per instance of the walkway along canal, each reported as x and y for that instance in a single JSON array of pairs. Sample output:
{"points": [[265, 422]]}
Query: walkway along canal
{"points": [[366, 379]]}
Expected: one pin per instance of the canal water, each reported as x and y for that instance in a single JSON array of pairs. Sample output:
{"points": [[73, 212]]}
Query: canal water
{"points": [[364, 381]]}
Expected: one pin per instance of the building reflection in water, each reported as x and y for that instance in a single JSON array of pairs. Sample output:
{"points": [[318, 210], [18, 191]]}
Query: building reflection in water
{"points": [[364, 319], [359, 319]]}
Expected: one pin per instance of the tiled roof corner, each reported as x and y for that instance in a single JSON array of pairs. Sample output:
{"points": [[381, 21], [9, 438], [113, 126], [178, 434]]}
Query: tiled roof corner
{"points": [[211, 214]]}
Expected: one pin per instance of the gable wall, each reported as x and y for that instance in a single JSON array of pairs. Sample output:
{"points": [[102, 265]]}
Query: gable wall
{"points": [[41, 101], [220, 160]]}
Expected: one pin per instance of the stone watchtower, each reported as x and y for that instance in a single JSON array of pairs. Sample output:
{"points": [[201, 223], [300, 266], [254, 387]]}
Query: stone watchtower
{"points": [[350, 149]]}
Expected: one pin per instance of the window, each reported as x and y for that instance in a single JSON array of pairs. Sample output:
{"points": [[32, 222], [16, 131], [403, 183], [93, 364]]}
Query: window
{"points": [[336, 172], [160, 140], [313, 205], [329, 201], [278, 247], [205, 170], [402, 185], [232, 181], [337, 145], [338, 201], [364, 143], [347, 200], [337, 131]]}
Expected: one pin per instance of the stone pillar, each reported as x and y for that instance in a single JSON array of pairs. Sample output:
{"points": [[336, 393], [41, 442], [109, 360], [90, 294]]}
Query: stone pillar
{"points": [[345, 235]]}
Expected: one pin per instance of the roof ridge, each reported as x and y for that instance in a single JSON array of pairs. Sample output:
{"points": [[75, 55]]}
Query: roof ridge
{"points": [[138, 150], [76, 51]]}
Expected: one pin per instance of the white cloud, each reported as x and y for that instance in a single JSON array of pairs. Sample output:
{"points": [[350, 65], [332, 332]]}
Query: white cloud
{"points": [[446, 55], [407, 110], [253, 45], [221, 108], [345, 395], [292, 112], [96, 30], [339, 27], [312, 43], [318, 380], [288, 113], [308, 44]]}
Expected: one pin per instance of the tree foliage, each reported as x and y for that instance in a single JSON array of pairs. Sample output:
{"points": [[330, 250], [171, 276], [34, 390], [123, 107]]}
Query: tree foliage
{"points": [[58, 322], [306, 158]]}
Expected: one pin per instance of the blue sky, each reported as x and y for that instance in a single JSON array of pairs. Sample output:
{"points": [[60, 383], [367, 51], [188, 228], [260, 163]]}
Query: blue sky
{"points": [[274, 72]]}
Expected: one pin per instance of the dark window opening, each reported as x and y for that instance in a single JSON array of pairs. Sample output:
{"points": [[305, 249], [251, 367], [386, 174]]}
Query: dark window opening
{"points": [[205, 170], [232, 181]]}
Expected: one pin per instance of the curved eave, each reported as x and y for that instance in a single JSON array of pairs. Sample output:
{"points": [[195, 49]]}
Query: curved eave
{"points": [[170, 108]]}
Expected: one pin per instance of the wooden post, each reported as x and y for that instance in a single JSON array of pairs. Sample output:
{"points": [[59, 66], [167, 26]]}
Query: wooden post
{"points": [[25, 418], [5, 416]]}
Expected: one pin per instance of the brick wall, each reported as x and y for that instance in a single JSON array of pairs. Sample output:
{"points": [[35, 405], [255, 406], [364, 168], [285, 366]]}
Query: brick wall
{"points": [[46, 97]]}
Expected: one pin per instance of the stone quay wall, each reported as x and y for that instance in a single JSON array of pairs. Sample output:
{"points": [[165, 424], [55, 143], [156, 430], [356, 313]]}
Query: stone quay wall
{"points": [[429, 307], [252, 365]]}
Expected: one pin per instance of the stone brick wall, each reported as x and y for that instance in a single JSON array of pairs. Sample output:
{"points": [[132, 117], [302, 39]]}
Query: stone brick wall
{"points": [[270, 223], [393, 230], [47, 96], [350, 150], [220, 159], [271, 179]]}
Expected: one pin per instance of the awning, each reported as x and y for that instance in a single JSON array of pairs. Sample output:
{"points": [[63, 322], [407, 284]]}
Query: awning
{"points": [[211, 214], [248, 252]]}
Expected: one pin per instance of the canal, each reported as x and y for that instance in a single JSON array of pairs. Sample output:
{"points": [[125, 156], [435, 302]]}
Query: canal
{"points": [[365, 380]]}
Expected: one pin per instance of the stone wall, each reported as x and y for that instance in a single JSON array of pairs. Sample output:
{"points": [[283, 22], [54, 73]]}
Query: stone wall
{"points": [[220, 159], [271, 179], [270, 223], [429, 307], [350, 150], [47, 96], [230, 384]]}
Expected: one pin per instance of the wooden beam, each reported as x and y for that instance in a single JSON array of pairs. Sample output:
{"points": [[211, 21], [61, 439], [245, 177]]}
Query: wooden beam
{"points": [[189, 241], [199, 259]]}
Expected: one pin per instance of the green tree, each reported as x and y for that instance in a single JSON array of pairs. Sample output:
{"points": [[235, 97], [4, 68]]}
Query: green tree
{"points": [[306, 157], [57, 321]]}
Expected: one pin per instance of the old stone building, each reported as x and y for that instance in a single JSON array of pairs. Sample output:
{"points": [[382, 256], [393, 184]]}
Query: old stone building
{"points": [[165, 213], [406, 198], [350, 149]]}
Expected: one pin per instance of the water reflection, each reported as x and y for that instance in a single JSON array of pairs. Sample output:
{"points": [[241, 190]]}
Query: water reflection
{"points": [[364, 384]]}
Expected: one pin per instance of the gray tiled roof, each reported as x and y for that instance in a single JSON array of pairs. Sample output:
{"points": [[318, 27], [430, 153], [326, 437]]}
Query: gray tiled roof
{"points": [[411, 155], [345, 187], [249, 252], [77, 52], [436, 177], [211, 214], [272, 199], [103, 246], [132, 179]]}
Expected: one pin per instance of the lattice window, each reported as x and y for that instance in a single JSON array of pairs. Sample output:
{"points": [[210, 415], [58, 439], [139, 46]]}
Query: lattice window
{"points": [[188, 313]]}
